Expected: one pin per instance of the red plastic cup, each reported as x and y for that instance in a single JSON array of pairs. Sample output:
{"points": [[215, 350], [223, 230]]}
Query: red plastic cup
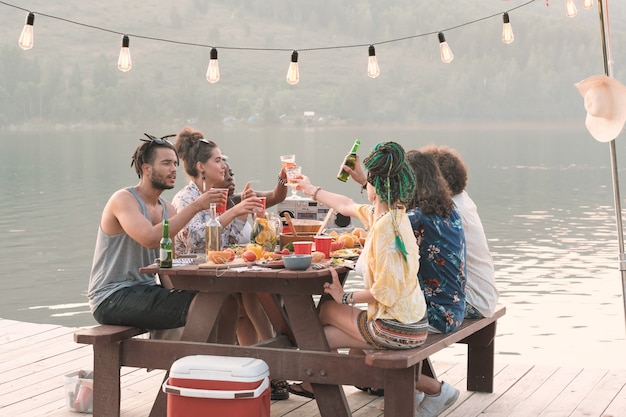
{"points": [[261, 213], [302, 248], [221, 208], [322, 244]]}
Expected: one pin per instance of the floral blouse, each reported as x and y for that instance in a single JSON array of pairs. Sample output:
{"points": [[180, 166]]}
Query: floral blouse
{"points": [[192, 237], [391, 280], [442, 267]]}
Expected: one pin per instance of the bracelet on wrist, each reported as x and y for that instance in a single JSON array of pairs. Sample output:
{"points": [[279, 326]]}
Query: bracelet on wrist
{"points": [[344, 297], [314, 196], [282, 181]]}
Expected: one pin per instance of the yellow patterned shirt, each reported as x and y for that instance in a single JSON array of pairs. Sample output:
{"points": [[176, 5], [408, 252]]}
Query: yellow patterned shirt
{"points": [[392, 280]]}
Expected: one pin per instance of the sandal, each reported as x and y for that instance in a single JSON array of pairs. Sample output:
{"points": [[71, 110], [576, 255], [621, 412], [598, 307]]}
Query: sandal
{"points": [[380, 392], [298, 389], [279, 389]]}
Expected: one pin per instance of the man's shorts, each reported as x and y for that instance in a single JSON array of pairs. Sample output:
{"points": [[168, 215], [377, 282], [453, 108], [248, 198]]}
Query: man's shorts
{"points": [[145, 306]]}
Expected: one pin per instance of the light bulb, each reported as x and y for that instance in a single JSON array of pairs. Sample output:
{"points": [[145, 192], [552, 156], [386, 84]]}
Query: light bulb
{"points": [[570, 8], [124, 62], [27, 36], [373, 70], [213, 72], [587, 4], [507, 30], [446, 53], [293, 75]]}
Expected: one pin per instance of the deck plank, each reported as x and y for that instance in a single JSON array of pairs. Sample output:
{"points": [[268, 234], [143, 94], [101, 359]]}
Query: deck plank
{"points": [[34, 359]]}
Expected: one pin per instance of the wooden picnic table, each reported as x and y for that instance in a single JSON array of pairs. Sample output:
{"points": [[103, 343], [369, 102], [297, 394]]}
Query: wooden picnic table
{"points": [[288, 298]]}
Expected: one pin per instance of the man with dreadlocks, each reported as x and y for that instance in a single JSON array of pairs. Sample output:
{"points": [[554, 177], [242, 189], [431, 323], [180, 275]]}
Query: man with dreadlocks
{"points": [[396, 309], [128, 239]]}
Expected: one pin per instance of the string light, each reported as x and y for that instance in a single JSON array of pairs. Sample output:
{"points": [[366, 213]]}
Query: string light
{"points": [[444, 50], [27, 36], [213, 72], [124, 63], [588, 4], [293, 74], [570, 8], [507, 30], [373, 70]]}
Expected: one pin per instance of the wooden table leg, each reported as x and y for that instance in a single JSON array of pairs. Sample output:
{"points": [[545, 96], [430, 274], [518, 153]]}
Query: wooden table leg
{"points": [[309, 334]]}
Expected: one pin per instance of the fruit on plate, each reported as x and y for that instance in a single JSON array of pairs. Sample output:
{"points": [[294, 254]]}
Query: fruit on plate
{"points": [[336, 245], [249, 256], [218, 256], [232, 254], [257, 249], [347, 239]]}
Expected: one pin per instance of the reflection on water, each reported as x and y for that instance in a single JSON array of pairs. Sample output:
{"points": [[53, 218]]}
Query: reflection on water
{"points": [[545, 198]]}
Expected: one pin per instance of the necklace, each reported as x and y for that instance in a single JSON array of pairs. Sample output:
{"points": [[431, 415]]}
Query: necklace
{"points": [[381, 215]]}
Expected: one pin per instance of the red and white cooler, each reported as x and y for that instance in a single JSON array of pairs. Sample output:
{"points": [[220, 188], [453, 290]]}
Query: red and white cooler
{"points": [[222, 386]]}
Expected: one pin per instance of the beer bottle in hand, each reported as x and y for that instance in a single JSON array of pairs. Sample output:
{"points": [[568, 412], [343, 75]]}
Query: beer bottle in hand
{"points": [[165, 252], [350, 161]]}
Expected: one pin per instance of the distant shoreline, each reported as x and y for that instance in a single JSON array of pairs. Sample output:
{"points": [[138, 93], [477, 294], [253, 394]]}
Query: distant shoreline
{"points": [[573, 125]]}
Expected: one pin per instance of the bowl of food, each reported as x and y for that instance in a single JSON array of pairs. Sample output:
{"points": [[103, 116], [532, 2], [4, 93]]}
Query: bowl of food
{"points": [[297, 262], [304, 226]]}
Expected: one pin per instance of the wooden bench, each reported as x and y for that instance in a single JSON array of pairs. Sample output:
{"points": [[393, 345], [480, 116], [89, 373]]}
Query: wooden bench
{"points": [[478, 334], [395, 371]]}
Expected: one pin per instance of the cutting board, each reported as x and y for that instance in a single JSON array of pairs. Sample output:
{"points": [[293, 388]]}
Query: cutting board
{"points": [[237, 263]]}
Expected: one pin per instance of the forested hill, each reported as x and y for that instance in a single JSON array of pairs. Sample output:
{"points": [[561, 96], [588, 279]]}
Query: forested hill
{"points": [[70, 76]]}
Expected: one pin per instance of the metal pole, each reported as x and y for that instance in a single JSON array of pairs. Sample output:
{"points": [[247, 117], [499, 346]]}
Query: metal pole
{"points": [[616, 194]]}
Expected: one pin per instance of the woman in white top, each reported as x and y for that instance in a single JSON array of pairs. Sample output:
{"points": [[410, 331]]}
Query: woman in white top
{"points": [[481, 292]]}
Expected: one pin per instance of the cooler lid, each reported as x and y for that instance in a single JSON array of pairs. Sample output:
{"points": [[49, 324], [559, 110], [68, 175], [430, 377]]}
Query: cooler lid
{"points": [[219, 368]]}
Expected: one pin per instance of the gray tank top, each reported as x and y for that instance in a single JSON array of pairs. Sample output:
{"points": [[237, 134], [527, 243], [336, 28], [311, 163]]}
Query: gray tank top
{"points": [[117, 259]]}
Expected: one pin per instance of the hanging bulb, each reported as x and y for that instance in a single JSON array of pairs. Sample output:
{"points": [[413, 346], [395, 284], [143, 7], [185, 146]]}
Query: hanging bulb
{"points": [[293, 75], [446, 53], [27, 36], [587, 4], [213, 72], [507, 30], [373, 70], [570, 8], [124, 62]]}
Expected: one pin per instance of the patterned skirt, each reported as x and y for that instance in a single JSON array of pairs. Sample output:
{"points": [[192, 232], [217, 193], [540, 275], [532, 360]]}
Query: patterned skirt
{"points": [[391, 334]]}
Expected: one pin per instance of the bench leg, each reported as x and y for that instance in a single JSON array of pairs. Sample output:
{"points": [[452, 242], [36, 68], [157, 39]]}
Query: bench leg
{"points": [[400, 391], [480, 359], [427, 368], [106, 383]]}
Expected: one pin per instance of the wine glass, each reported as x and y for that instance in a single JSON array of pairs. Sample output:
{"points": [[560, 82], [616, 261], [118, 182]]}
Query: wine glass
{"points": [[288, 161], [293, 173]]}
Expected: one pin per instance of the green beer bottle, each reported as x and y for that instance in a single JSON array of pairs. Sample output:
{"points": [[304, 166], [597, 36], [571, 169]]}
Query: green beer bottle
{"points": [[350, 161], [165, 252]]}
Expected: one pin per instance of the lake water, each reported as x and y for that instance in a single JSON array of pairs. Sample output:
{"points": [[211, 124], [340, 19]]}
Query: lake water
{"points": [[545, 197]]}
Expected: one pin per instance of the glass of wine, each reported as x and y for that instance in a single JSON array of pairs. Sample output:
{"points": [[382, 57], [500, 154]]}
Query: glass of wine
{"points": [[288, 161], [293, 173]]}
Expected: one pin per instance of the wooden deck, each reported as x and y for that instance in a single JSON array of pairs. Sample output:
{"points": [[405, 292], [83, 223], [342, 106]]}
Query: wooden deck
{"points": [[34, 358]]}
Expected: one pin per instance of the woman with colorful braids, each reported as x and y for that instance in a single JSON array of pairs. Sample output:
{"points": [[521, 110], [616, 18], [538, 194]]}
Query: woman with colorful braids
{"points": [[432, 396]]}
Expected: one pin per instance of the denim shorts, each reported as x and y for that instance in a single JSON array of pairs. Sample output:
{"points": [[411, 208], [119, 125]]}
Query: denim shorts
{"points": [[146, 306]]}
